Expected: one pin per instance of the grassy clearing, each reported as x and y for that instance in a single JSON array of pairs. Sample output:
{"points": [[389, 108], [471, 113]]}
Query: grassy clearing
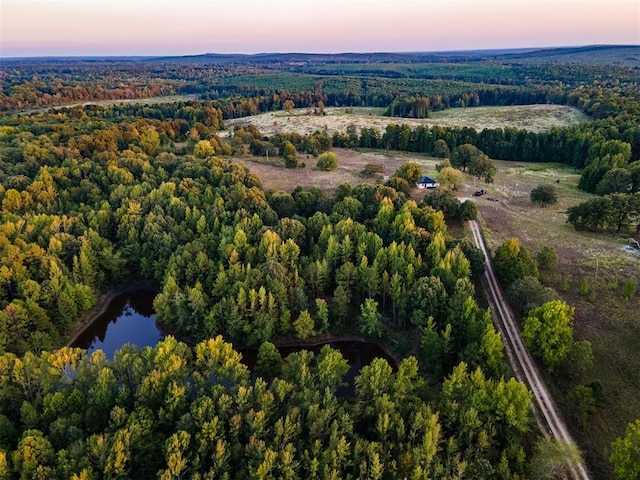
{"points": [[275, 176], [603, 316], [535, 118]]}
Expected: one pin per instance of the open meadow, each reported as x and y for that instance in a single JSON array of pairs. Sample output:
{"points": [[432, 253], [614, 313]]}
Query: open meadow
{"points": [[535, 118]]}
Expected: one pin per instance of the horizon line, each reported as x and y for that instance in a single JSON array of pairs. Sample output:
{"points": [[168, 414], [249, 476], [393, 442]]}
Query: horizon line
{"points": [[397, 52]]}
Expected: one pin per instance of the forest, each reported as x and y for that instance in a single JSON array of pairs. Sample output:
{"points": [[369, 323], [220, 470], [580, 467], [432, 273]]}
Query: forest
{"points": [[95, 197]]}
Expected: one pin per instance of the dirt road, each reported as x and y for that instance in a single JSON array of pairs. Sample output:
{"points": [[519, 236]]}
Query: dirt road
{"points": [[546, 413]]}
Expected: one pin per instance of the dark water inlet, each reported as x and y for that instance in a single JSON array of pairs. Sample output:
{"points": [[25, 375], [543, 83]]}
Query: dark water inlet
{"points": [[130, 318]]}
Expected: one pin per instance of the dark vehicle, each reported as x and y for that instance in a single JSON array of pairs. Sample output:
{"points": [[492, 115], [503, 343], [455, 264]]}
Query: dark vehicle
{"points": [[479, 193]]}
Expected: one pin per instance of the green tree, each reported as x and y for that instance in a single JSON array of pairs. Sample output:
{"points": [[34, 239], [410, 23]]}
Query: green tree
{"points": [[625, 453], [429, 300], [527, 293], [468, 211], [625, 208], [594, 214], [548, 332], [544, 195], [579, 360], [616, 180], [322, 314], [465, 155], [596, 170], [583, 404], [327, 161], [288, 153], [445, 201], [547, 258], [482, 166], [176, 456], [513, 262], [331, 368], [304, 325], [441, 149], [269, 361], [34, 456], [371, 318]]}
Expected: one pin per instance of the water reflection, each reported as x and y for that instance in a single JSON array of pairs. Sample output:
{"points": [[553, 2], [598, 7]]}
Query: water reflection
{"points": [[129, 318]]}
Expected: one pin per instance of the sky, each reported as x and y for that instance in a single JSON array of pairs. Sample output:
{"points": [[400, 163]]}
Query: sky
{"points": [[187, 27]]}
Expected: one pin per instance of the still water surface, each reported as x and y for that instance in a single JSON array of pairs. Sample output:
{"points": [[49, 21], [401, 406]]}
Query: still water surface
{"points": [[130, 318]]}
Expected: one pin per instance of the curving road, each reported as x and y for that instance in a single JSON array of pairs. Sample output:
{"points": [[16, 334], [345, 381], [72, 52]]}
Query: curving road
{"points": [[525, 370]]}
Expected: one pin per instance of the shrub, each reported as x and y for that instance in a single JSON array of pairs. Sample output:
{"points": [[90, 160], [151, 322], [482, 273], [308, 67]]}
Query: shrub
{"points": [[629, 288], [547, 258], [327, 161], [373, 169]]}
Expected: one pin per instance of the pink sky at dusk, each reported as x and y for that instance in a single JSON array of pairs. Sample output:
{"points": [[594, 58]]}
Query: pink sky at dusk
{"points": [[182, 27]]}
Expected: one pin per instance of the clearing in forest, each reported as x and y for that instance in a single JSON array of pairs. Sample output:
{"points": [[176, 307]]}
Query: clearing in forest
{"points": [[535, 118]]}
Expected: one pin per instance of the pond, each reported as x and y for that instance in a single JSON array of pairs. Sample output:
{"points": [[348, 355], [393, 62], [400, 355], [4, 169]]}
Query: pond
{"points": [[130, 318]]}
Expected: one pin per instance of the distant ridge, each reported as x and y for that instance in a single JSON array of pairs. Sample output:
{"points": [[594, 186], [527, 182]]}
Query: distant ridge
{"points": [[409, 57], [588, 53]]}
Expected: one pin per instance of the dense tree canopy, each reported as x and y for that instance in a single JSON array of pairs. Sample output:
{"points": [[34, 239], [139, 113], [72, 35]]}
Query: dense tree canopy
{"points": [[93, 197]]}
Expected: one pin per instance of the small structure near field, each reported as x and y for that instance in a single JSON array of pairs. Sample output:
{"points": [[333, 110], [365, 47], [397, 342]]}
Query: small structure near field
{"points": [[427, 182]]}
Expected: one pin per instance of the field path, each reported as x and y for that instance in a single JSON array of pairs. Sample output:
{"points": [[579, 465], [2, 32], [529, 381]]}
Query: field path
{"points": [[546, 413]]}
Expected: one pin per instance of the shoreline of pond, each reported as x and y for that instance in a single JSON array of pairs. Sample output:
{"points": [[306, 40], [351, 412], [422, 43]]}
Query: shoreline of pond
{"points": [[106, 299], [103, 302]]}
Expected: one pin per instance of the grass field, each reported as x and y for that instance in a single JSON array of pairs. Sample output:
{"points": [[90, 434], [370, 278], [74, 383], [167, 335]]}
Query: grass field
{"points": [[602, 316], [350, 163], [535, 118]]}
